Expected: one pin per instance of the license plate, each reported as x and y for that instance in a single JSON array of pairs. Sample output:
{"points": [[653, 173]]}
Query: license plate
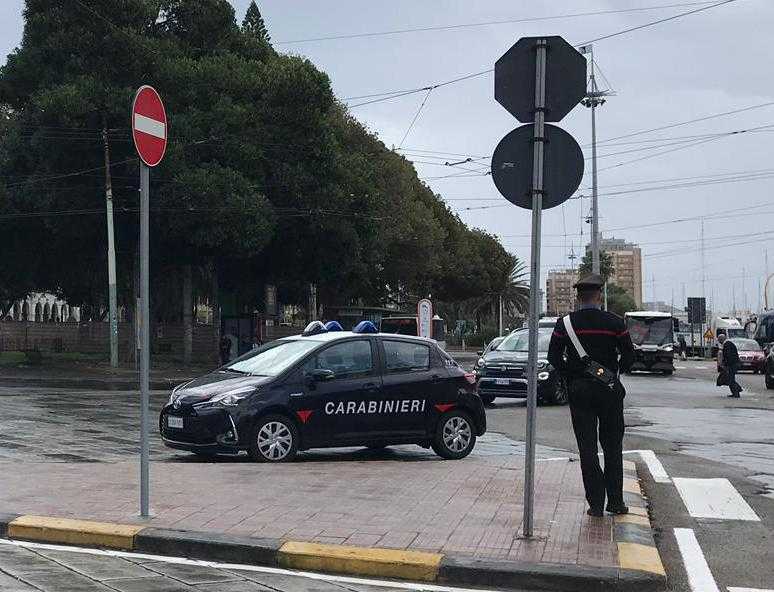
{"points": [[502, 381], [174, 422]]}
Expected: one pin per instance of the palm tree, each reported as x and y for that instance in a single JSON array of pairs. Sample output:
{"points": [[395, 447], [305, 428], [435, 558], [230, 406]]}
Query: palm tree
{"points": [[514, 291]]}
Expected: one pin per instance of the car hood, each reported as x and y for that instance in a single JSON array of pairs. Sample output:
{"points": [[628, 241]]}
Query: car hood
{"points": [[509, 357], [216, 383]]}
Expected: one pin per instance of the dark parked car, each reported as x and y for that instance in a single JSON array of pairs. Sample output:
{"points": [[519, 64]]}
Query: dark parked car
{"points": [[325, 390], [502, 372]]}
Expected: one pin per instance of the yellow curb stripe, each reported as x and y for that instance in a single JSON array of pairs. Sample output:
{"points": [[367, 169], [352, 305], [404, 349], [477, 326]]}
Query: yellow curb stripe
{"points": [[640, 557], [632, 519], [74, 532], [632, 486], [386, 563]]}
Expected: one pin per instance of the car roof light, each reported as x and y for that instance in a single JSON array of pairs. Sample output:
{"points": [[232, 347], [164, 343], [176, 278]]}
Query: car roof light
{"points": [[365, 327], [314, 328], [333, 326]]}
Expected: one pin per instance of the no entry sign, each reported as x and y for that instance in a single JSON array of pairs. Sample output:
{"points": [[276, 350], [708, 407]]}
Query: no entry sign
{"points": [[149, 125]]}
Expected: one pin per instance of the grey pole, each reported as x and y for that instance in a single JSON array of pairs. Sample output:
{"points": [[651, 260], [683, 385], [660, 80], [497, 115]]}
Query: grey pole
{"points": [[144, 335], [501, 315], [534, 281], [594, 202], [111, 255]]}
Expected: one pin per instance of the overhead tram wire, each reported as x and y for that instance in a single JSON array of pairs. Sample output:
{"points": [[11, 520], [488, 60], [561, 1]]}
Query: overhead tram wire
{"points": [[416, 116], [488, 23], [399, 93]]}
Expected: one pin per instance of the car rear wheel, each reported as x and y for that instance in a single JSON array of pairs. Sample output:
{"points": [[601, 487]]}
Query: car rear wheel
{"points": [[769, 381], [454, 437], [274, 439]]}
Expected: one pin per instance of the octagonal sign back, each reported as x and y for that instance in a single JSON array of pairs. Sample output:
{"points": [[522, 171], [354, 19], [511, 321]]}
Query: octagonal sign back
{"points": [[565, 78]]}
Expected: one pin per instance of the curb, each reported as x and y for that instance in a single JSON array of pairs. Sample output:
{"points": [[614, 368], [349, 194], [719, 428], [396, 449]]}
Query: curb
{"points": [[639, 570], [107, 384]]}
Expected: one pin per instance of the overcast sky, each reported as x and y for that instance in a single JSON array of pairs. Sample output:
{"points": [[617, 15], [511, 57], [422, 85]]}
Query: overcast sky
{"points": [[715, 61]]}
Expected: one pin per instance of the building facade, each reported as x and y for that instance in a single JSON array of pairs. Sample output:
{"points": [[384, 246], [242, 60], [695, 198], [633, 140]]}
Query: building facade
{"points": [[627, 265], [560, 294]]}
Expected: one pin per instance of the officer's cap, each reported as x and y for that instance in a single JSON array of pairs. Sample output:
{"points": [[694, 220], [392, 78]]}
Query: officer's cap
{"points": [[593, 281]]}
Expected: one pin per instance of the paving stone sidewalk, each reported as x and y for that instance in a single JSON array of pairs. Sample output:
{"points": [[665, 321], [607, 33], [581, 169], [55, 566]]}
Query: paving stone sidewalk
{"points": [[406, 499]]}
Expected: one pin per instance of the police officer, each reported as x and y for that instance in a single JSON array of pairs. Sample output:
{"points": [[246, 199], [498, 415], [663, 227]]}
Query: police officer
{"points": [[596, 408]]}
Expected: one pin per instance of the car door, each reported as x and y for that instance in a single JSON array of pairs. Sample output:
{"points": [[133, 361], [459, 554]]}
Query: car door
{"points": [[410, 384], [342, 405]]}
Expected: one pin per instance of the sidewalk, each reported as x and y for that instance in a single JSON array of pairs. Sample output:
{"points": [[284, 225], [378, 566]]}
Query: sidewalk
{"points": [[470, 508]]}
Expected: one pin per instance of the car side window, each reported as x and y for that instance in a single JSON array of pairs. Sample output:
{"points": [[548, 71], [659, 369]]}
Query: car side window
{"points": [[404, 356], [347, 360]]}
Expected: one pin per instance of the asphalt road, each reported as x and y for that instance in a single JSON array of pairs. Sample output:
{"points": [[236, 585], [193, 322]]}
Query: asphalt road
{"points": [[695, 431]]}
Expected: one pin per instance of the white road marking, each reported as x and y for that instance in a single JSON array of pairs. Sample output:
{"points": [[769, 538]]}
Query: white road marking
{"points": [[655, 467], [699, 575], [714, 498], [241, 567], [750, 590], [152, 127]]}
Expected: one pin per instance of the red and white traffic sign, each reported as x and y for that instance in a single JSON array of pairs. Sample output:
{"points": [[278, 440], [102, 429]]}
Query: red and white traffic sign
{"points": [[149, 125]]}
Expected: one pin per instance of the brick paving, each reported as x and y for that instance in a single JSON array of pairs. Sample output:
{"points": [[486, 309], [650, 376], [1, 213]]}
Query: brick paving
{"points": [[473, 506]]}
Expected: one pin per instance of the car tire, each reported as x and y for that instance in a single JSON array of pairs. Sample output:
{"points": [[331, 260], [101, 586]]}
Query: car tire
{"points": [[769, 381], [454, 436], [274, 438], [487, 399]]}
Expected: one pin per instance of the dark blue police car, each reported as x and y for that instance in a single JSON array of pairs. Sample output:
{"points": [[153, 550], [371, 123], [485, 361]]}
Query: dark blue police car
{"points": [[328, 389]]}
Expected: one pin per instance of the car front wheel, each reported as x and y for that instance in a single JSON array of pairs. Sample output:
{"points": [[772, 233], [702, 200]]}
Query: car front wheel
{"points": [[769, 381], [274, 439], [454, 437]]}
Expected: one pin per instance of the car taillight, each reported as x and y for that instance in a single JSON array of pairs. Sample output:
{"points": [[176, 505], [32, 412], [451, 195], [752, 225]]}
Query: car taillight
{"points": [[470, 377]]}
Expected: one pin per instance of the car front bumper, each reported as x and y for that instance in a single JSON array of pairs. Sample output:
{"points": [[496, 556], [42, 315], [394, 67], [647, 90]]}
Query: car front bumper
{"points": [[204, 430], [653, 360], [515, 388]]}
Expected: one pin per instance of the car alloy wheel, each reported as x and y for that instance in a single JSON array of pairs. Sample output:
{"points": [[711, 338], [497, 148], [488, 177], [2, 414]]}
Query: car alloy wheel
{"points": [[454, 437], [275, 439]]}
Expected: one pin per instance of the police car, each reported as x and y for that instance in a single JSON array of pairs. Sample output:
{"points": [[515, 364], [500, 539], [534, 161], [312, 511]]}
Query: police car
{"points": [[328, 388]]}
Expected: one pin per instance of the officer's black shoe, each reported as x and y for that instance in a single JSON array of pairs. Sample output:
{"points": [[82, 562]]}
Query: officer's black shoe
{"points": [[617, 509], [595, 512]]}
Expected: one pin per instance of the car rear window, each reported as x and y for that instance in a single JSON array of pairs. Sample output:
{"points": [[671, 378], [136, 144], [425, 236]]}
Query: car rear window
{"points": [[404, 356]]}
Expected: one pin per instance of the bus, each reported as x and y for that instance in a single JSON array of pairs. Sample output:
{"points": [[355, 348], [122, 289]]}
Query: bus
{"points": [[653, 338]]}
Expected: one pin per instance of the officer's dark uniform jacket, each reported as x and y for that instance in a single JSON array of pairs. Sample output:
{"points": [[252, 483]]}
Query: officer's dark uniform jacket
{"points": [[603, 335]]}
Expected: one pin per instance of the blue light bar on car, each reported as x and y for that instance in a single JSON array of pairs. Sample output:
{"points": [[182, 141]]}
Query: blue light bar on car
{"points": [[314, 328], [333, 326], [365, 327]]}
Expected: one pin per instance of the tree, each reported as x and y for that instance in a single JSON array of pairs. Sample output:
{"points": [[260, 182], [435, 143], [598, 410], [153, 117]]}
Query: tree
{"points": [[619, 301], [606, 267], [254, 26]]}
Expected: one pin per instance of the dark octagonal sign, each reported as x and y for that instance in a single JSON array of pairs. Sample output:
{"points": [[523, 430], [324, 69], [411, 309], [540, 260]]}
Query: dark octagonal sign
{"points": [[565, 78], [562, 165]]}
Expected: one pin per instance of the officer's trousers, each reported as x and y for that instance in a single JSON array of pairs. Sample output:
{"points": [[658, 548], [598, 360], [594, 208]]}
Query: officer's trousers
{"points": [[597, 413]]}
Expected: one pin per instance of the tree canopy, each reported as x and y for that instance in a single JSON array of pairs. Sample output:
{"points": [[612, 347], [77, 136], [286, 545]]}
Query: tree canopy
{"points": [[266, 172]]}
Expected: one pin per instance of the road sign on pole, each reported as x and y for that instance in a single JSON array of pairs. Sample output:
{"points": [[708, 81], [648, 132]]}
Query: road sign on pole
{"points": [[425, 318], [149, 131], [538, 79], [513, 166]]}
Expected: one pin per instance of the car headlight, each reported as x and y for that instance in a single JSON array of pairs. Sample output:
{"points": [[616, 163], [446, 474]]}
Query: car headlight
{"points": [[543, 375], [229, 398], [175, 392], [541, 364], [481, 363]]}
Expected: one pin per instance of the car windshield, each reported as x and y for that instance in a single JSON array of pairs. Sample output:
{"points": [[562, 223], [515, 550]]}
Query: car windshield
{"points": [[654, 331], [519, 341], [274, 358], [746, 345]]}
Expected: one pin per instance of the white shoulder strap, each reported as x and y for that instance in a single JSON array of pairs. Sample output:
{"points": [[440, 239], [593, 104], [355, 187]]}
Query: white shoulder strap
{"points": [[573, 337]]}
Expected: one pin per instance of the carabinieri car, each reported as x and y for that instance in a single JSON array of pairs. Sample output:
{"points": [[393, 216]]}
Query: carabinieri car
{"points": [[327, 389]]}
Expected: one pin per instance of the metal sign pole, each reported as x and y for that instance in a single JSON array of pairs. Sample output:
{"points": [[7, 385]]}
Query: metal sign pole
{"points": [[144, 335], [534, 282]]}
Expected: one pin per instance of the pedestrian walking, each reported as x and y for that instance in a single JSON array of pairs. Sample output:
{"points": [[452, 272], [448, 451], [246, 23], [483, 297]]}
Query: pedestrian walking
{"points": [[589, 347], [683, 347], [225, 350], [729, 364]]}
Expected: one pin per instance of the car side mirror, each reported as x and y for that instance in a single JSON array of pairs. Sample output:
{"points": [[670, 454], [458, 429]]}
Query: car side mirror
{"points": [[480, 353], [319, 375]]}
